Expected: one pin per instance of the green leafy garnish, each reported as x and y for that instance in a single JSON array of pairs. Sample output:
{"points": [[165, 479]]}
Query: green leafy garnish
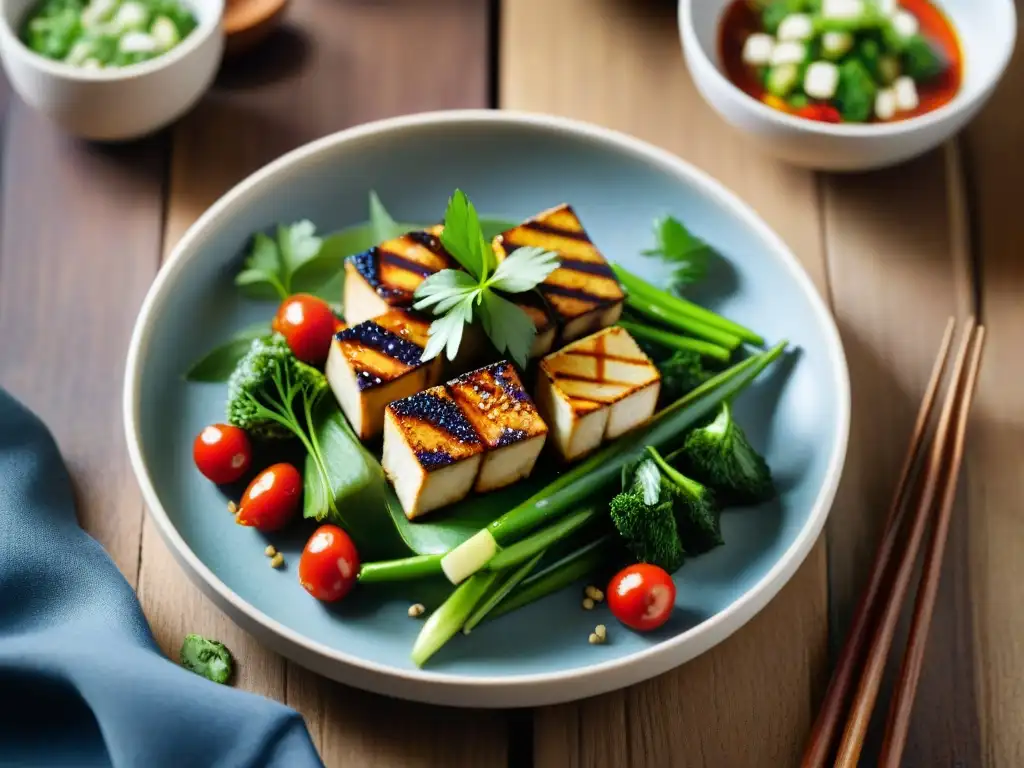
{"points": [[220, 361], [456, 296], [272, 262], [689, 255], [208, 658], [382, 226]]}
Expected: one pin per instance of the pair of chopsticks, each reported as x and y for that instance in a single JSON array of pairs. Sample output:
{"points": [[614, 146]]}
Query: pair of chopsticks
{"points": [[925, 491]]}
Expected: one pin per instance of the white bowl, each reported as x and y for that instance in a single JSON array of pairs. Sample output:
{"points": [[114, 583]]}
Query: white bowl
{"points": [[114, 104], [987, 30]]}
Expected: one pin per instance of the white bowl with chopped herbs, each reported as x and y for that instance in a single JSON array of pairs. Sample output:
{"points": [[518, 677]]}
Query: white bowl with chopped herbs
{"points": [[111, 70], [847, 85]]}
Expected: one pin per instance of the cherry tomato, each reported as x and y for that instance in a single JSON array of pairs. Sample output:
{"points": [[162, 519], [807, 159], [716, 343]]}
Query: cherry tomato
{"points": [[642, 596], [307, 324], [222, 453], [824, 113], [271, 499], [329, 564]]}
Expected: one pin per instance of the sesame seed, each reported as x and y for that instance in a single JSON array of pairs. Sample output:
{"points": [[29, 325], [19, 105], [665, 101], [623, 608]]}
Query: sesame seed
{"points": [[232, 507], [594, 594], [277, 560], [517, 407], [588, 604], [601, 631], [416, 610], [270, 551], [594, 639]]}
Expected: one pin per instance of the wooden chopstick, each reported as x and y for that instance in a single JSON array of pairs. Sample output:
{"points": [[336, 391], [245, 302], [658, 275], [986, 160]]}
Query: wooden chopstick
{"points": [[874, 666], [898, 721], [819, 746]]}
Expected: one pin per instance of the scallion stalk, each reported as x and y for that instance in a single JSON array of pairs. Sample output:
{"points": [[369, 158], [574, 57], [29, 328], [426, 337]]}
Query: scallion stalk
{"points": [[541, 540], [404, 569], [682, 323], [675, 341], [510, 580], [451, 615], [680, 306], [557, 576]]}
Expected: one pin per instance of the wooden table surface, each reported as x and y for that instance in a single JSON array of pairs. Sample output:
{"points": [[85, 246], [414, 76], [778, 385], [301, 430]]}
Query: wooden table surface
{"points": [[84, 229]]}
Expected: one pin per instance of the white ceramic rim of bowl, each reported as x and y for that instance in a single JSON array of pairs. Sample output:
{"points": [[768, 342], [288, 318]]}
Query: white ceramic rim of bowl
{"points": [[962, 101], [452, 689], [208, 25]]}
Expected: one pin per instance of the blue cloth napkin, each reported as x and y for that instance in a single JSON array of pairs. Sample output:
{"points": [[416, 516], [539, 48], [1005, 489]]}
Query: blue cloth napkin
{"points": [[82, 683]]}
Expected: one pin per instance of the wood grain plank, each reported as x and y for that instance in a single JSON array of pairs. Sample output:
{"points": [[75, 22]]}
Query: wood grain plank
{"points": [[80, 245], [995, 484], [899, 265], [622, 67], [337, 63]]}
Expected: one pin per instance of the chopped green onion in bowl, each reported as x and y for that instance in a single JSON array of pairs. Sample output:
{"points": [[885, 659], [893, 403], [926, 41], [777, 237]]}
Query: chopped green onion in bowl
{"points": [[106, 33]]}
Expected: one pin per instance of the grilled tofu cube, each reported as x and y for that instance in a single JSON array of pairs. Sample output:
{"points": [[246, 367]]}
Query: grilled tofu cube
{"points": [[377, 361], [533, 304], [496, 404], [583, 292], [386, 276], [432, 454], [596, 389]]}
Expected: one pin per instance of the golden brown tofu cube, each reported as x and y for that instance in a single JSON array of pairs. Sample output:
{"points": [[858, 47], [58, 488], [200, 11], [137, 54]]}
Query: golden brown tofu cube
{"points": [[596, 389], [386, 276], [513, 433], [377, 361], [432, 454], [583, 292]]}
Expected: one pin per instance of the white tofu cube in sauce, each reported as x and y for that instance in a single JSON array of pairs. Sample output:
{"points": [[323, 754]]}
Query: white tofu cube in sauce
{"points": [[385, 277], [513, 433], [377, 361], [757, 49], [432, 453], [582, 293], [821, 80], [595, 390], [796, 26]]}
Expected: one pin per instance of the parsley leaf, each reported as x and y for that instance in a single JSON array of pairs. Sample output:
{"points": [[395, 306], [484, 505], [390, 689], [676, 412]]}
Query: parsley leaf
{"points": [[524, 269], [453, 293], [680, 247], [298, 244], [272, 262], [508, 327], [463, 238]]}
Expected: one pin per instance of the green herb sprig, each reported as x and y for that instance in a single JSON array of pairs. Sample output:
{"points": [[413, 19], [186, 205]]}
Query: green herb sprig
{"points": [[688, 254], [455, 295]]}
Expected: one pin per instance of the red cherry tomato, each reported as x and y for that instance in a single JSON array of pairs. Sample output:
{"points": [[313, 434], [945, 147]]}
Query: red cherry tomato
{"points": [[271, 499], [329, 564], [823, 113], [222, 453], [307, 324], [642, 596]]}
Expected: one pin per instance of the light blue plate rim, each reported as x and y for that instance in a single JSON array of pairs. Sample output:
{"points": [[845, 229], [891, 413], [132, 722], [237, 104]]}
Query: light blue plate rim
{"points": [[438, 687]]}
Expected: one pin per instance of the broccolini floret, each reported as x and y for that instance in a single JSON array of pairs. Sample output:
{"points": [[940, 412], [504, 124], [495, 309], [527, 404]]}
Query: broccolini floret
{"points": [[720, 454], [644, 516], [662, 516], [681, 373], [271, 394]]}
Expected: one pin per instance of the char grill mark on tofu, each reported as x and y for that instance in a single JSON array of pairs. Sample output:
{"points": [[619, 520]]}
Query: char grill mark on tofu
{"points": [[596, 389], [583, 292], [386, 276], [432, 453], [513, 433], [377, 361]]}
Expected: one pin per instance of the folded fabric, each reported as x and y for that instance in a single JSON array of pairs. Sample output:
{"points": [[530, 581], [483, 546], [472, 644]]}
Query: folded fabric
{"points": [[82, 683]]}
